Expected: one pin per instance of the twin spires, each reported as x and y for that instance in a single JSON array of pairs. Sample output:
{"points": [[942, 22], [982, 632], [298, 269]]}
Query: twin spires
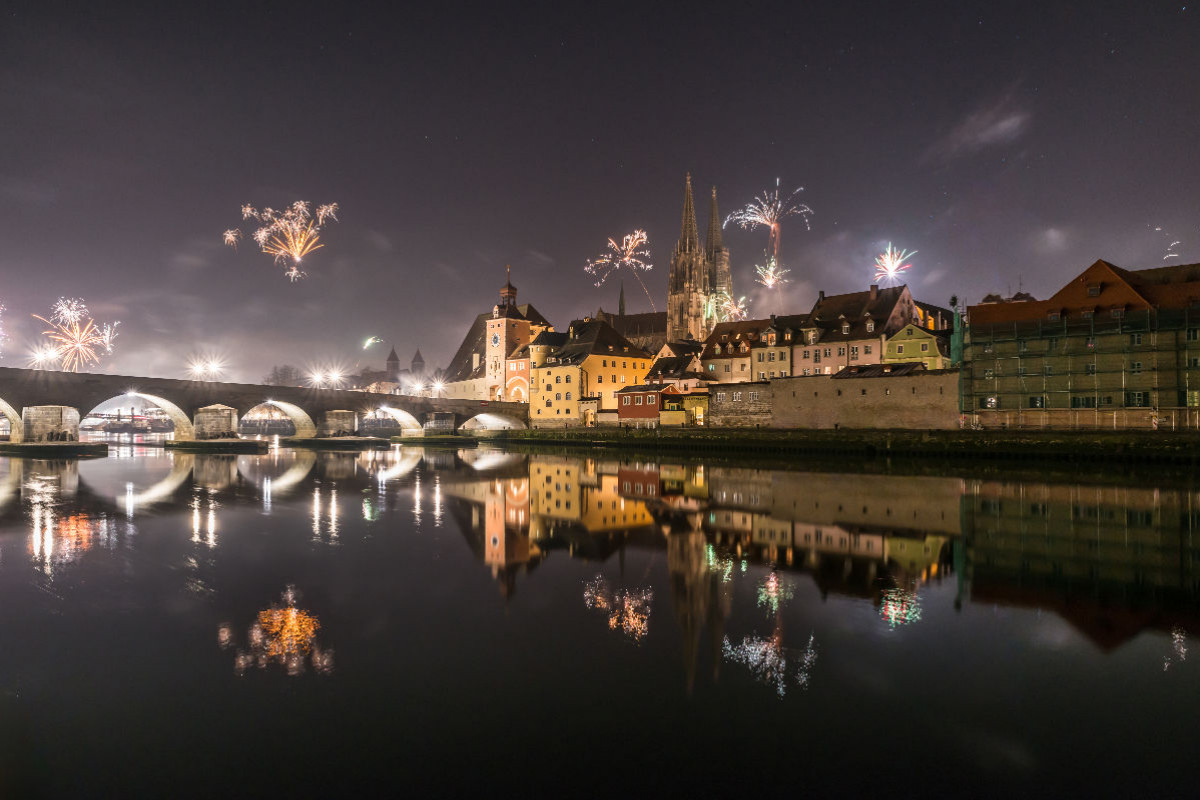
{"points": [[689, 234]]}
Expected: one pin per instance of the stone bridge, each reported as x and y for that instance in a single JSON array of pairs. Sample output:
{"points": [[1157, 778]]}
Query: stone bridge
{"points": [[39, 401]]}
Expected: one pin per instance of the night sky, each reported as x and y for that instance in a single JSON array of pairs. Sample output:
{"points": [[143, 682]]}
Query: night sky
{"points": [[1010, 144]]}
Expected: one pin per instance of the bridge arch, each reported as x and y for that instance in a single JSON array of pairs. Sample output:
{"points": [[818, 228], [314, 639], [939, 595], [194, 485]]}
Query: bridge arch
{"points": [[492, 421], [407, 421], [305, 427], [184, 432], [15, 429]]}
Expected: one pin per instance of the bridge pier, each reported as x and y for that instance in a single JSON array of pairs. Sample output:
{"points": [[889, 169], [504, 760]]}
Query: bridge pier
{"points": [[49, 424], [339, 423], [216, 422]]}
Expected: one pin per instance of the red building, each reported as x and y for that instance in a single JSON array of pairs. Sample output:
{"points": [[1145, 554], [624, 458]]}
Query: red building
{"points": [[638, 406]]}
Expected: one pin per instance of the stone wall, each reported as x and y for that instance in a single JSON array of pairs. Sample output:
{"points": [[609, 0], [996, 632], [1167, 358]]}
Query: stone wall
{"points": [[740, 405], [49, 423], [917, 401], [339, 423]]}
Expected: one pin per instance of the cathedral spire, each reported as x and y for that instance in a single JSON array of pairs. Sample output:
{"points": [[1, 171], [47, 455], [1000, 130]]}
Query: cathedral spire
{"points": [[712, 243], [621, 302], [689, 236]]}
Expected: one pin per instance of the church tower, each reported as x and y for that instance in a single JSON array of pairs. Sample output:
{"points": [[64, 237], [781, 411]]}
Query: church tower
{"points": [[690, 283], [716, 253]]}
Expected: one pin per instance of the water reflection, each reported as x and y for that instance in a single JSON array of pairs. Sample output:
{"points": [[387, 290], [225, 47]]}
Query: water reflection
{"points": [[627, 610], [283, 635]]}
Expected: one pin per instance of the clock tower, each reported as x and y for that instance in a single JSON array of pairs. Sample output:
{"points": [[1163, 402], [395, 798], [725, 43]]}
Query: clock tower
{"points": [[506, 331]]}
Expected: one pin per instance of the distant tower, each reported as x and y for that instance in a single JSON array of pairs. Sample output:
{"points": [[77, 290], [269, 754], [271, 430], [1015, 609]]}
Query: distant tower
{"points": [[393, 366], [508, 292], [621, 302], [689, 285], [418, 365], [716, 253]]}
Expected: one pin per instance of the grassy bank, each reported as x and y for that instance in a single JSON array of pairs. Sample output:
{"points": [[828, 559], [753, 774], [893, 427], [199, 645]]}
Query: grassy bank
{"points": [[1085, 446]]}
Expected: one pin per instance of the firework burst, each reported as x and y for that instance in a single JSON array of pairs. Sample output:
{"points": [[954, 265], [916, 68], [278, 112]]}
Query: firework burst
{"points": [[889, 264], [76, 341], [724, 307], [289, 235], [632, 254], [771, 275], [768, 210], [371, 340]]}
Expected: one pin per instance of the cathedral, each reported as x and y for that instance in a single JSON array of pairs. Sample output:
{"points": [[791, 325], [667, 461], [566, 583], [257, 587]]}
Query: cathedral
{"points": [[698, 274]]}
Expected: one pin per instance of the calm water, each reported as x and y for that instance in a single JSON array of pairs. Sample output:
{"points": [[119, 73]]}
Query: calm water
{"points": [[309, 624]]}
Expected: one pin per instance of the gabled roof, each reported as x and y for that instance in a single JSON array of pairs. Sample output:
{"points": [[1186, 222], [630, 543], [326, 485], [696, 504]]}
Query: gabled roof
{"points": [[658, 388], [1115, 288], [593, 337], [461, 366], [675, 367], [723, 333]]}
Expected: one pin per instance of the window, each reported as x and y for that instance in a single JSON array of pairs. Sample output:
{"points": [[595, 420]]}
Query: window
{"points": [[866, 349], [1021, 371], [651, 399], [1037, 402], [1193, 361], [567, 396], [712, 367], [720, 397], [624, 365], [1136, 399], [1088, 401], [727, 368], [599, 379], [924, 347], [1135, 368], [567, 379], [771, 356], [637, 401], [1089, 313], [805, 355], [625, 400], [737, 397], [841, 351], [1093, 290], [1193, 334], [900, 349], [762, 376], [1048, 370], [1054, 316], [548, 403], [1135, 338], [604, 363], [753, 395], [558, 378], [854, 353], [826, 353], [845, 328], [760, 356], [987, 348], [1052, 343], [870, 326], [1117, 313], [558, 395], [991, 401], [1089, 369], [1022, 345]]}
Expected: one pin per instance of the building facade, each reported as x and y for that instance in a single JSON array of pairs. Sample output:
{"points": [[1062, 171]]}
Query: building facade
{"points": [[1113, 348]]}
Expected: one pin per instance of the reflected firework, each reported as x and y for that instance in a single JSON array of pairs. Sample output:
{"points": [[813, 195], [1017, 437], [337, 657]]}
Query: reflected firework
{"points": [[767, 211], [632, 253], [628, 611], [288, 235], [889, 264], [280, 635], [900, 607], [774, 593], [767, 660]]}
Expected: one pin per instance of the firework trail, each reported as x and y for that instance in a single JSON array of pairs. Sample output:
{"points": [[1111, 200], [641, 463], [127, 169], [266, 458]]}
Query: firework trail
{"points": [[288, 235], [890, 264], [370, 341], [767, 211], [632, 253], [1172, 249]]}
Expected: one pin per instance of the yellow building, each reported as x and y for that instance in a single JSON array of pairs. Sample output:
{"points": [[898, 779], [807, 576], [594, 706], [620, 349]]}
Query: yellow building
{"points": [[589, 360], [913, 343]]}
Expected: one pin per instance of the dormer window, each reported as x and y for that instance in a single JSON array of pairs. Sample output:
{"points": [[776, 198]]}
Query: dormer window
{"points": [[1094, 289], [1055, 316], [787, 336], [870, 326], [845, 328], [812, 337]]}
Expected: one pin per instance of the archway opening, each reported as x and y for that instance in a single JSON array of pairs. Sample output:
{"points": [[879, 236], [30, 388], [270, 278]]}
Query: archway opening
{"points": [[266, 419], [138, 413], [302, 423], [399, 418], [11, 420], [491, 421]]}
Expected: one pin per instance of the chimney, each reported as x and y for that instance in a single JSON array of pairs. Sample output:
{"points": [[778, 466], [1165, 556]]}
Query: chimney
{"points": [[874, 292], [820, 295]]}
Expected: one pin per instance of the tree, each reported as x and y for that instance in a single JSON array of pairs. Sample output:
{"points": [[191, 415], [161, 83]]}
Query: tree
{"points": [[285, 375]]}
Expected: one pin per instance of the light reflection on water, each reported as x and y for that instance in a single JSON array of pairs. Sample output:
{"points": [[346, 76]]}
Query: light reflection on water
{"points": [[811, 591]]}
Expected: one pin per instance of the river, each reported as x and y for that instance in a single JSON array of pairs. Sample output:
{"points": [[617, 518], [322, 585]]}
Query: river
{"points": [[409, 620]]}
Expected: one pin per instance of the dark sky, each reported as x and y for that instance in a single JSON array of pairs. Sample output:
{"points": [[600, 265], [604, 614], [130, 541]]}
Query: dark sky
{"points": [[1011, 144]]}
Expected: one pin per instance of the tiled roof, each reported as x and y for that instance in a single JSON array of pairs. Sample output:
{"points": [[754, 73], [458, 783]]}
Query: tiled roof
{"points": [[588, 337]]}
